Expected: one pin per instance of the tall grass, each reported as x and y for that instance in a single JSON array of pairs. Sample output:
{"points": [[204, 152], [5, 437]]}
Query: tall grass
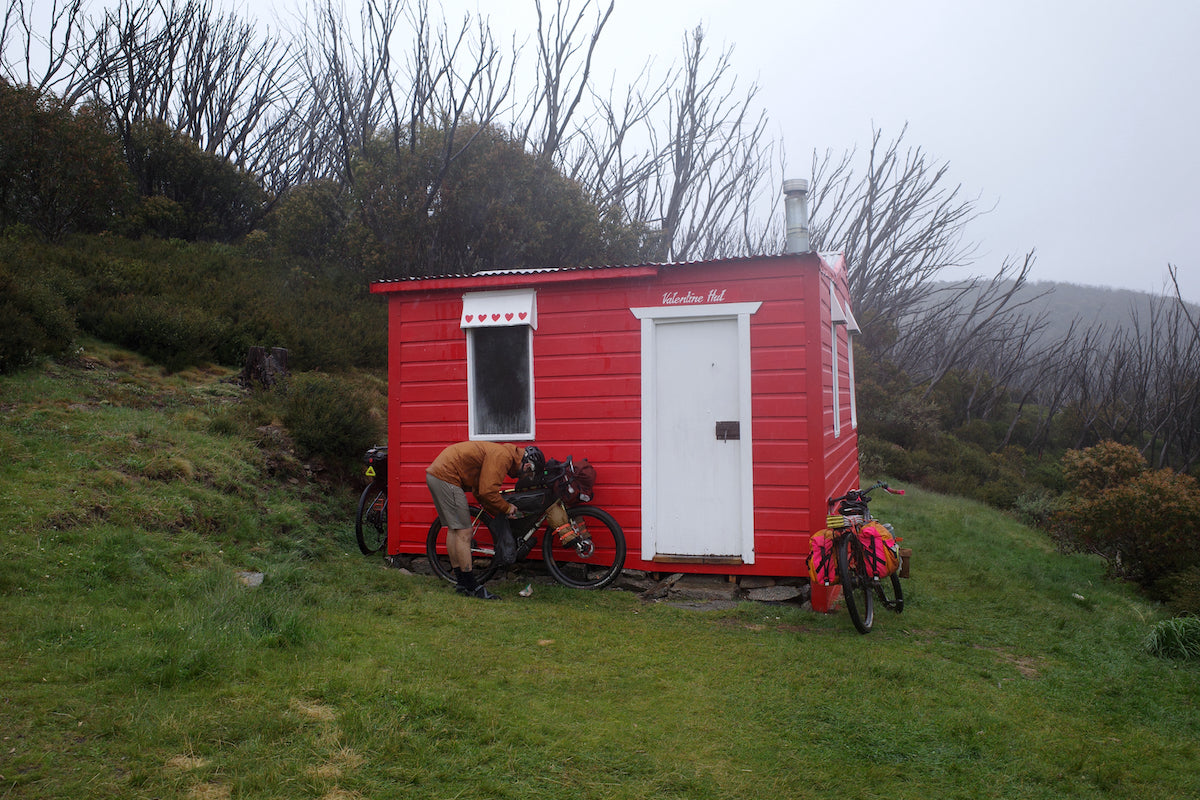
{"points": [[134, 661], [1178, 637]]}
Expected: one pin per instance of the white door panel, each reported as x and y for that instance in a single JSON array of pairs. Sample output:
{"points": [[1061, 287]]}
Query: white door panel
{"points": [[697, 475]]}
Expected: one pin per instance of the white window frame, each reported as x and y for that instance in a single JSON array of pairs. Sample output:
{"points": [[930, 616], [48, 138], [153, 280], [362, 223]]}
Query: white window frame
{"points": [[841, 315], [507, 309]]}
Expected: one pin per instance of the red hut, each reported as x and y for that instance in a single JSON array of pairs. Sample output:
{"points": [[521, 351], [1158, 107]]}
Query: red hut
{"points": [[715, 398]]}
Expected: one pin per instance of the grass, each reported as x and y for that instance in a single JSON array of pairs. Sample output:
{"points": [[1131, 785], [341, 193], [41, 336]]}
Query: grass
{"points": [[135, 664], [1175, 638]]}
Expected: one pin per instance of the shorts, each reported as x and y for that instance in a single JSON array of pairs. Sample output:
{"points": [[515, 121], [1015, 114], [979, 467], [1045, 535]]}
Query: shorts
{"points": [[450, 502]]}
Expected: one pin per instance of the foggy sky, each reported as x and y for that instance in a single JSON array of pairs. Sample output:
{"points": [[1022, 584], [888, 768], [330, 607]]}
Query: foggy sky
{"points": [[1071, 122]]}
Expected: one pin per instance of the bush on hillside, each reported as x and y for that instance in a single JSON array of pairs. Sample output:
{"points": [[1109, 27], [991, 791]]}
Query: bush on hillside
{"points": [[327, 417], [495, 207], [34, 322], [1183, 591], [315, 221], [1102, 467], [172, 334], [186, 192], [60, 168], [901, 418], [1143, 521], [951, 466]]}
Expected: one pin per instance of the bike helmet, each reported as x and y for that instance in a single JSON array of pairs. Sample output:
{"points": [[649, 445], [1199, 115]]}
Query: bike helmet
{"points": [[535, 459]]}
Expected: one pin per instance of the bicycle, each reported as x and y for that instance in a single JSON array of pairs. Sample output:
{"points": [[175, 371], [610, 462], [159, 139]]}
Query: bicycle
{"points": [[865, 574], [370, 527], [583, 546]]}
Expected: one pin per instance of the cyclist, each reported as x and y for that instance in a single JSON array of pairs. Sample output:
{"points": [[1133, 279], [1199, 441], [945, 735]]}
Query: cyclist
{"points": [[478, 467]]}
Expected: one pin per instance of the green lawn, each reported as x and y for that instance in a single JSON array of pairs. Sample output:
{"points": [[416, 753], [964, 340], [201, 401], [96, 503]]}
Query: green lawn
{"points": [[135, 664]]}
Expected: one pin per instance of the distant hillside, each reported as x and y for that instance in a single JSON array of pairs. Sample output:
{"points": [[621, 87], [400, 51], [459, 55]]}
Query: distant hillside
{"points": [[1065, 302]]}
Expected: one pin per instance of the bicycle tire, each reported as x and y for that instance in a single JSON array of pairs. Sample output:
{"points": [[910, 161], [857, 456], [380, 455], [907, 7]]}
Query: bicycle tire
{"points": [[589, 566], [888, 592], [856, 583], [482, 549], [370, 526]]}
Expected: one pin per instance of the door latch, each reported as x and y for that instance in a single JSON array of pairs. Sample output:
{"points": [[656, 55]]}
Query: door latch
{"points": [[728, 430]]}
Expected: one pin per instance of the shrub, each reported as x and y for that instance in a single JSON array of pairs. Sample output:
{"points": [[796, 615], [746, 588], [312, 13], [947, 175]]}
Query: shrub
{"points": [[172, 334], [1183, 591], [327, 417], [1037, 507], [901, 418], [980, 432], [311, 222], [951, 466], [34, 322], [203, 195], [1175, 638], [1101, 467], [877, 457], [60, 168], [1144, 522]]}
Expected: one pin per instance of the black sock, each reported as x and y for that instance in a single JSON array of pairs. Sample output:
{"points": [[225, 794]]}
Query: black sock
{"points": [[465, 579]]}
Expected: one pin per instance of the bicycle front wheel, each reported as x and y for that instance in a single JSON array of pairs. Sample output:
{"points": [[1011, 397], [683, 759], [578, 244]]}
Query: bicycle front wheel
{"points": [[888, 592], [483, 552], [857, 585], [370, 527], [595, 556]]}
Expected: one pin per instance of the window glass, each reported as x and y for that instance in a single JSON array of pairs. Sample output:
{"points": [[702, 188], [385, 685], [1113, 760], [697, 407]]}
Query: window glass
{"points": [[501, 372]]}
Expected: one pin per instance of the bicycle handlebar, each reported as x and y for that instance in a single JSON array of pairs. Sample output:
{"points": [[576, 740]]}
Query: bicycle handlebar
{"points": [[862, 495]]}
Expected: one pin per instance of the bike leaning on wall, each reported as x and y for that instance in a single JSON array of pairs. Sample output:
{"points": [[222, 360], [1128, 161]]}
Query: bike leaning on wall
{"points": [[370, 527], [859, 553], [582, 545]]}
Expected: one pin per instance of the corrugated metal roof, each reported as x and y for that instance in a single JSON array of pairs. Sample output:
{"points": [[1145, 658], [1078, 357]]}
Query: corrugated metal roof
{"points": [[593, 268]]}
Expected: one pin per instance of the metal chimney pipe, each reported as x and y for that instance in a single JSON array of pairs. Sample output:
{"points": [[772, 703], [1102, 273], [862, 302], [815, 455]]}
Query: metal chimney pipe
{"points": [[795, 206]]}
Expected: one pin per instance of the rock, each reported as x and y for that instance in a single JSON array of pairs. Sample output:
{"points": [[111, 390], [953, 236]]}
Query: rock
{"points": [[661, 588], [774, 594], [250, 578]]}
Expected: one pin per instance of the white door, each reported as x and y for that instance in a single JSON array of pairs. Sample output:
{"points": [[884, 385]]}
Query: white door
{"points": [[697, 438]]}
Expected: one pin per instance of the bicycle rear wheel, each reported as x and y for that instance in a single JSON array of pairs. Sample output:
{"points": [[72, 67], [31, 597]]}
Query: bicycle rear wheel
{"points": [[592, 561], [856, 583], [888, 592], [370, 527], [483, 552]]}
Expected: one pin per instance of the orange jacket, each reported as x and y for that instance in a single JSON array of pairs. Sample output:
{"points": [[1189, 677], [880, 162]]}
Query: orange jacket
{"points": [[480, 468]]}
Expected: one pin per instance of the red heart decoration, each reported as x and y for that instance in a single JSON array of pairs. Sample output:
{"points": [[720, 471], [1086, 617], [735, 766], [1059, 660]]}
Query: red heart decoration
{"points": [[470, 317], [508, 317], [523, 315], [495, 317]]}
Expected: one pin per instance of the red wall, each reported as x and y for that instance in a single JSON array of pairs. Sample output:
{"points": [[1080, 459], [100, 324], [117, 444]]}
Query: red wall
{"points": [[587, 390]]}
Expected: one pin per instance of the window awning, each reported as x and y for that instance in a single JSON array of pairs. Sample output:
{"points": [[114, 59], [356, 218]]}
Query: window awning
{"points": [[493, 309], [841, 315]]}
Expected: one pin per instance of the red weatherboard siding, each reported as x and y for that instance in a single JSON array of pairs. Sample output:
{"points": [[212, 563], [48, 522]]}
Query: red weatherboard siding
{"points": [[587, 390]]}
